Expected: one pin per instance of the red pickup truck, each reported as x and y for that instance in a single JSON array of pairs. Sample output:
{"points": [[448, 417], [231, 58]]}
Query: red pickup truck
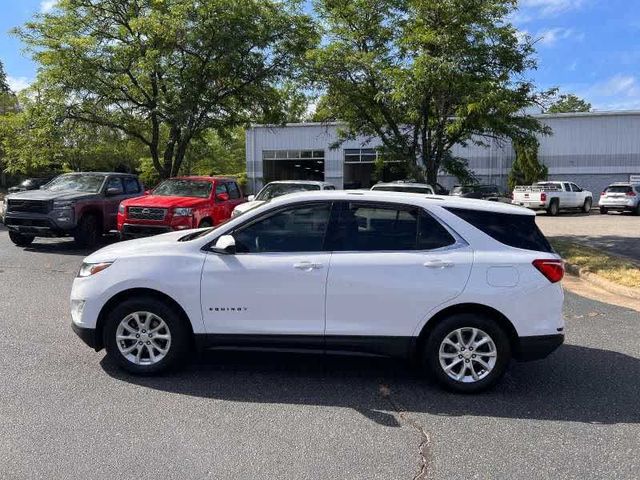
{"points": [[178, 204]]}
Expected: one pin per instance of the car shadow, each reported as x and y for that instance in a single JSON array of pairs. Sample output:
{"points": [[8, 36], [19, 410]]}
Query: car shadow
{"points": [[577, 384], [66, 246]]}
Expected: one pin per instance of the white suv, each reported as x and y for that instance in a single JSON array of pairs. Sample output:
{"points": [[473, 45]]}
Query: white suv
{"points": [[462, 285]]}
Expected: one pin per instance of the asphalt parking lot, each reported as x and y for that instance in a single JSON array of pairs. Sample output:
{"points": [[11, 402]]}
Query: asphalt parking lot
{"points": [[65, 412], [618, 233]]}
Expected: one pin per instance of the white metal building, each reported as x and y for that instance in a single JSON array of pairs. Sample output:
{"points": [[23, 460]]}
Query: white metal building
{"points": [[590, 149]]}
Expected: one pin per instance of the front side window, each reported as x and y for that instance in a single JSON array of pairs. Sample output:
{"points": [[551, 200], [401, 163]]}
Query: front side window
{"points": [[115, 183], [178, 187], [234, 191], [131, 185], [296, 229], [76, 182], [361, 227]]}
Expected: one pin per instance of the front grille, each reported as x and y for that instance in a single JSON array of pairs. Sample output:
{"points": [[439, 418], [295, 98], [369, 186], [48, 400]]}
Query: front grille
{"points": [[145, 213], [27, 222], [30, 206]]}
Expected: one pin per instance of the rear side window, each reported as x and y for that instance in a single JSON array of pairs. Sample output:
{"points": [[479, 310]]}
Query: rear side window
{"points": [[131, 185], [519, 231], [363, 227], [234, 191]]}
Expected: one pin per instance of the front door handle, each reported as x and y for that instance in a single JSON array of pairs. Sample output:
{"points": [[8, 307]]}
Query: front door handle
{"points": [[438, 264], [307, 266]]}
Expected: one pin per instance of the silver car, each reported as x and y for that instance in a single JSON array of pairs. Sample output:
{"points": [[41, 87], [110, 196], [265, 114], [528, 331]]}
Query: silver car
{"points": [[621, 197]]}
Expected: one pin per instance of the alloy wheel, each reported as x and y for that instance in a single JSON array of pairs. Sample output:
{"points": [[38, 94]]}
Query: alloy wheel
{"points": [[468, 355], [143, 338]]}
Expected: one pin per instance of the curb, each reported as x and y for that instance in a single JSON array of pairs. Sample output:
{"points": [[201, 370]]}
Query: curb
{"points": [[603, 283]]}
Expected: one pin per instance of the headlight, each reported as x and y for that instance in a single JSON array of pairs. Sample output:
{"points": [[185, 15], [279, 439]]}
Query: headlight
{"points": [[182, 212], [121, 209], [88, 269], [62, 204]]}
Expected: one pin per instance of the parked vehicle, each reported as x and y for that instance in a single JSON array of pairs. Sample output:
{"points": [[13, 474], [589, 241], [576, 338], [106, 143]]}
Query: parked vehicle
{"points": [[404, 186], [277, 189], [29, 184], [179, 203], [461, 285], [553, 197], [83, 205], [484, 192], [620, 197]]}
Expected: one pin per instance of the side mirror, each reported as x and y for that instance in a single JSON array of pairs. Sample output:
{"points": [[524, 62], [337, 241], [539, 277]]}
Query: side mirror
{"points": [[148, 192], [225, 245], [251, 198], [222, 197], [113, 191]]}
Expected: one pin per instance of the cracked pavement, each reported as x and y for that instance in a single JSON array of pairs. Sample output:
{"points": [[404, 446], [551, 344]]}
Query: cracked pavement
{"points": [[66, 412]]}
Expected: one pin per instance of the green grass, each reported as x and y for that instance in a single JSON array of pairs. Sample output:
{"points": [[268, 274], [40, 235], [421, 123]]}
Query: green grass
{"points": [[615, 269]]}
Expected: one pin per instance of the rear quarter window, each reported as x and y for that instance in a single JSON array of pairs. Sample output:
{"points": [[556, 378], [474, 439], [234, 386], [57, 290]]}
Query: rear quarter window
{"points": [[519, 231]]}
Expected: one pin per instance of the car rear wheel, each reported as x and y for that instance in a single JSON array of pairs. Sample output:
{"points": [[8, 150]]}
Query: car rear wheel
{"points": [[21, 240], [554, 208], [87, 232], [586, 208], [603, 210], [145, 336], [467, 353]]}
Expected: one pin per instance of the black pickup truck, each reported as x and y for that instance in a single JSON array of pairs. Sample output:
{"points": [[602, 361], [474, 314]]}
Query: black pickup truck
{"points": [[82, 205]]}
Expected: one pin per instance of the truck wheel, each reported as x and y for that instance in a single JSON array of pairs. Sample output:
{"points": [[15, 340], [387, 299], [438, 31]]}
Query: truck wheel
{"points": [[554, 208], [603, 210], [21, 240], [586, 208], [87, 232]]}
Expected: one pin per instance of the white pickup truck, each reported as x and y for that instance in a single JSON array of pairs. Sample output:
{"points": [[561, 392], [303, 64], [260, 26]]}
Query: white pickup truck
{"points": [[553, 197]]}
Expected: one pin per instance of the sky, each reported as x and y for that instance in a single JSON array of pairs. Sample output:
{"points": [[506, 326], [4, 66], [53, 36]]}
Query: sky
{"points": [[587, 47]]}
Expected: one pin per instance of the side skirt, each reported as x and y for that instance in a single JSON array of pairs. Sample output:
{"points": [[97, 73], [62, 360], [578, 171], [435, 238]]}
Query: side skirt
{"points": [[398, 347]]}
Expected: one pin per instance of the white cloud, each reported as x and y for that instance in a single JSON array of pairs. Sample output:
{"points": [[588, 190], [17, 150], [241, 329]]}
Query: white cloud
{"points": [[47, 5], [619, 92], [551, 36], [18, 83], [532, 9], [619, 85]]}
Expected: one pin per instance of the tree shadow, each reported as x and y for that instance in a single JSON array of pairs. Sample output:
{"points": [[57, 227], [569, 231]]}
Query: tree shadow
{"points": [[623, 246], [577, 384]]}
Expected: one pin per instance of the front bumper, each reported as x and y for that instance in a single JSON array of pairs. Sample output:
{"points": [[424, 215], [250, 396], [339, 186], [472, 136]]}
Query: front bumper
{"points": [[88, 336], [40, 225], [537, 347]]}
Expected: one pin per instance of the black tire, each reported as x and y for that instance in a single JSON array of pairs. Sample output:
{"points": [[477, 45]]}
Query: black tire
{"points": [[431, 352], [636, 211], [554, 208], [179, 332], [603, 210], [88, 231], [586, 208], [20, 239], [206, 223], [123, 237]]}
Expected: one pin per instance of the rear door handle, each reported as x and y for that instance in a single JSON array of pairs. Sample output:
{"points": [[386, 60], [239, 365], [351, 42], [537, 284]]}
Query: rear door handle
{"points": [[438, 264], [307, 266]]}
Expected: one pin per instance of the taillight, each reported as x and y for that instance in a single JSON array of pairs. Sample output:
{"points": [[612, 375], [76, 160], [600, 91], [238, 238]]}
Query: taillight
{"points": [[543, 197], [631, 194], [553, 270], [602, 194]]}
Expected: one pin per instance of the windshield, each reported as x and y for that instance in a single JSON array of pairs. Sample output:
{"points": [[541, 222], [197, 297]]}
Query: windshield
{"points": [[76, 182], [184, 188], [274, 190]]}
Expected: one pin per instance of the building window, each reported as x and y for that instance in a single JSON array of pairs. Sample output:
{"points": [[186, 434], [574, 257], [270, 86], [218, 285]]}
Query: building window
{"points": [[360, 155], [293, 165]]}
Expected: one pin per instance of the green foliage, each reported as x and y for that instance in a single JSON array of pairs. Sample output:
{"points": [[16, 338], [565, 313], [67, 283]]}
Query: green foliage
{"points": [[569, 103], [424, 75], [163, 72], [4, 86], [526, 169]]}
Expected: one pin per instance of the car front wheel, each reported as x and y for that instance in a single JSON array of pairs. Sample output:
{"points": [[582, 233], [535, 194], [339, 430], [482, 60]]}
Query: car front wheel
{"points": [[467, 353], [145, 336]]}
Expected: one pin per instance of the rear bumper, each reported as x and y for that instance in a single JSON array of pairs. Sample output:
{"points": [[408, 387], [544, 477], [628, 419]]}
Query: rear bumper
{"points": [[537, 347], [87, 335]]}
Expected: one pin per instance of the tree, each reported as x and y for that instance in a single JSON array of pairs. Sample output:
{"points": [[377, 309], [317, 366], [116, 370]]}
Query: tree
{"points": [[4, 86], [165, 71], [526, 169], [424, 75], [569, 103]]}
